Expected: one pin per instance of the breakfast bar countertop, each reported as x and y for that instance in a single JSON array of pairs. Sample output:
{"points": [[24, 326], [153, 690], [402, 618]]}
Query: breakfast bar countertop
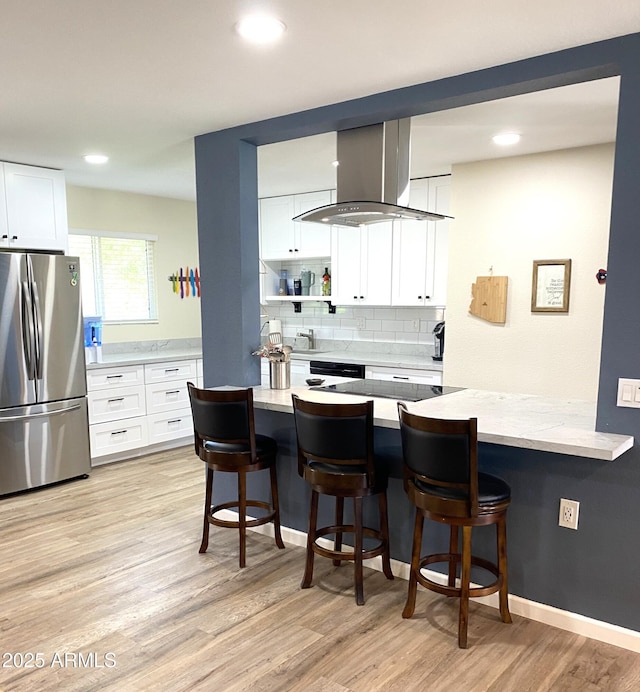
{"points": [[515, 420]]}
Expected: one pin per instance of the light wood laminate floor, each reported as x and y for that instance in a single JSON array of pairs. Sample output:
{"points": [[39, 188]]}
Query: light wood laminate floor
{"points": [[106, 571]]}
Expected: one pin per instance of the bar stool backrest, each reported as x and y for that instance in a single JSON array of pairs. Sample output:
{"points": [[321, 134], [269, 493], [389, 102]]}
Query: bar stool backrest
{"points": [[223, 416], [339, 433], [442, 454]]}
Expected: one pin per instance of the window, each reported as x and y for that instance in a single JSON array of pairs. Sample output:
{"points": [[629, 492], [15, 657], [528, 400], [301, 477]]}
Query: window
{"points": [[117, 275]]}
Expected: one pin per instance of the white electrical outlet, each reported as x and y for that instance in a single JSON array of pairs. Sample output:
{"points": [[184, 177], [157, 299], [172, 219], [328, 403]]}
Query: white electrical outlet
{"points": [[361, 323], [569, 510]]}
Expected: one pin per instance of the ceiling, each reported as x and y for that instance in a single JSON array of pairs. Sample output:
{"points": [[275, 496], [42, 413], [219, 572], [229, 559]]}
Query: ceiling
{"points": [[138, 80]]}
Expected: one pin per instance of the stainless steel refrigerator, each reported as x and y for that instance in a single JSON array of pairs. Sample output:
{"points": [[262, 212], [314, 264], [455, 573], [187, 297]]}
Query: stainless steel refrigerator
{"points": [[44, 432]]}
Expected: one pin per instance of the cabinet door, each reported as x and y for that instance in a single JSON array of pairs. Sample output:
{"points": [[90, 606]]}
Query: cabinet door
{"points": [[277, 228], [412, 248], [375, 274], [4, 228], [312, 239], [420, 248], [439, 199], [346, 263], [36, 207]]}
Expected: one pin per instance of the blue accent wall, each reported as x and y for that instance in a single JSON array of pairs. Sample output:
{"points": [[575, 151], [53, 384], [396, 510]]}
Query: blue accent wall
{"points": [[596, 570]]}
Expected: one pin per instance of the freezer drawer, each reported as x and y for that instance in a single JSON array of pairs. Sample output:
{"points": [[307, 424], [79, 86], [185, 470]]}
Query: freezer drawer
{"points": [[43, 444]]}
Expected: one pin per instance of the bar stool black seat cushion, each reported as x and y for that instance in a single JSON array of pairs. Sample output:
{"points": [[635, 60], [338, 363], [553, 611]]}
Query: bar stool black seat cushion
{"points": [[491, 489], [264, 445]]}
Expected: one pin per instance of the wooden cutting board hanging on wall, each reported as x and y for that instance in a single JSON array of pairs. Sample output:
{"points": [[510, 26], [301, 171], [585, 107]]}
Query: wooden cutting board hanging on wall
{"points": [[489, 298]]}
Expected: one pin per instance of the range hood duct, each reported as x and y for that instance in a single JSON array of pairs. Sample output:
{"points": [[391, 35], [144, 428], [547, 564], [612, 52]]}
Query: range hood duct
{"points": [[373, 178]]}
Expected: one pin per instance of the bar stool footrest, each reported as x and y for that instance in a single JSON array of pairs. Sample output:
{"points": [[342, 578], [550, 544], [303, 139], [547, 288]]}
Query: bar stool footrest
{"points": [[350, 555], [444, 589], [231, 524]]}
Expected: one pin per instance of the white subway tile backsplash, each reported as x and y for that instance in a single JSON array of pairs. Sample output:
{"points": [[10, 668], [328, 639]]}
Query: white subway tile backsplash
{"points": [[403, 326]]}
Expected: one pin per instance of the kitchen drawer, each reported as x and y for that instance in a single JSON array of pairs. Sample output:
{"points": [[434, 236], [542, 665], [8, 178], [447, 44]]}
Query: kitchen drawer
{"points": [[118, 436], [169, 396], [299, 367], [103, 378], [166, 372], [116, 404], [164, 427], [415, 376]]}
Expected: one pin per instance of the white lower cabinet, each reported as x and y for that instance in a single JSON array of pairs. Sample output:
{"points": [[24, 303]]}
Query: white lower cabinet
{"points": [[117, 436], [116, 403], [135, 406], [164, 427], [415, 376]]}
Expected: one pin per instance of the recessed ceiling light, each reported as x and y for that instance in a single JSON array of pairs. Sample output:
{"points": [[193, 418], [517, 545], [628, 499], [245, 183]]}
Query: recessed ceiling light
{"points": [[335, 163], [259, 28], [96, 158], [506, 138]]}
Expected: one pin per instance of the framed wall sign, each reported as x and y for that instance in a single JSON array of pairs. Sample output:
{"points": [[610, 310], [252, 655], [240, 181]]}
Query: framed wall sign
{"points": [[551, 282]]}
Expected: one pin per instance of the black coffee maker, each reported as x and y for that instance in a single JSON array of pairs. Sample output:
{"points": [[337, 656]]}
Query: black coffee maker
{"points": [[438, 341]]}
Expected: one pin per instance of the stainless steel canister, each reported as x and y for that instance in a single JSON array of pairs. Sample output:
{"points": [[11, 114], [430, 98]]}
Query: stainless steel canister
{"points": [[279, 374]]}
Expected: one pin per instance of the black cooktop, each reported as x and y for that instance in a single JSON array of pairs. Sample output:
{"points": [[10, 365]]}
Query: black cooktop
{"points": [[404, 391]]}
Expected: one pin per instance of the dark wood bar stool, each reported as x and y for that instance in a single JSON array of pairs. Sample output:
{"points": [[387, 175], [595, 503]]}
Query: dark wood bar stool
{"points": [[226, 440], [335, 456], [442, 481]]}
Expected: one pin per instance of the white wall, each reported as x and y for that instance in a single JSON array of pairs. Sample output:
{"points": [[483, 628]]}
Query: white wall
{"points": [[174, 223], [509, 212]]}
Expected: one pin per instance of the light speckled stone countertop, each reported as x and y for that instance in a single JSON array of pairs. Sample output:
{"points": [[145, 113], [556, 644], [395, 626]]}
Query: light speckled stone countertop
{"points": [[514, 420], [142, 357], [389, 360]]}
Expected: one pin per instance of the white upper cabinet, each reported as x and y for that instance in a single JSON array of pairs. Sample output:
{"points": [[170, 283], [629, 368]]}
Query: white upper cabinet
{"points": [[284, 239], [361, 265], [420, 248], [34, 216]]}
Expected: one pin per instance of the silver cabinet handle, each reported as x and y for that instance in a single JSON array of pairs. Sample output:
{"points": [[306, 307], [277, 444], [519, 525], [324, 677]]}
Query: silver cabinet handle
{"points": [[400, 377], [112, 401], [112, 377], [119, 432]]}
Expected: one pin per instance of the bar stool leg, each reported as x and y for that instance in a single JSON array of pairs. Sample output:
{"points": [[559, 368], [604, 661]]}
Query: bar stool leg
{"points": [[453, 550], [311, 537], [358, 547], [384, 531], [410, 605], [242, 514], [501, 528], [337, 544], [207, 510], [465, 579], [276, 506]]}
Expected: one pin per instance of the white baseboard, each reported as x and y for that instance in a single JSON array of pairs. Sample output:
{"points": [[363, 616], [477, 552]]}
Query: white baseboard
{"points": [[539, 612]]}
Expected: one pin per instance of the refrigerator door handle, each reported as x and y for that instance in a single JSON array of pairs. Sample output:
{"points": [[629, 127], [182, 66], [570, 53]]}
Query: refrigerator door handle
{"points": [[43, 414], [37, 316], [28, 330]]}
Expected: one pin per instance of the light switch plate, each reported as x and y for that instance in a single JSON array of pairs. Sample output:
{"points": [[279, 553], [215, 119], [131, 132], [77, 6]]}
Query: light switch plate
{"points": [[628, 393]]}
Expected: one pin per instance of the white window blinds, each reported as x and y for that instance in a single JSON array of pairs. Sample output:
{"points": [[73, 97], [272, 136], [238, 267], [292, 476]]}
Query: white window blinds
{"points": [[117, 274]]}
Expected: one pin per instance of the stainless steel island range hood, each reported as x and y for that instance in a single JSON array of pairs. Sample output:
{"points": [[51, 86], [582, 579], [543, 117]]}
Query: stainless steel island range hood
{"points": [[373, 178]]}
